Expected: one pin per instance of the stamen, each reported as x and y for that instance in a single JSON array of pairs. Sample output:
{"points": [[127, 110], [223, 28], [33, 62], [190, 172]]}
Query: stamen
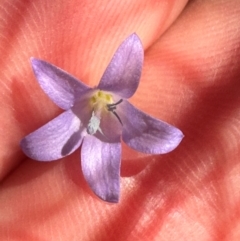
{"points": [[113, 107], [115, 113], [93, 125], [114, 104]]}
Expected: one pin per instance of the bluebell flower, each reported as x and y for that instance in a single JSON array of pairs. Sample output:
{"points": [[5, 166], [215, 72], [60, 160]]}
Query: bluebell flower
{"points": [[98, 119]]}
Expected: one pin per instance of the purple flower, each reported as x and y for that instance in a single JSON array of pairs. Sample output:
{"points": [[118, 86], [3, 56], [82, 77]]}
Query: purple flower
{"points": [[98, 118]]}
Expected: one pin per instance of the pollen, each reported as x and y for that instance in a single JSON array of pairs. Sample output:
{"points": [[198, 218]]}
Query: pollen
{"points": [[100, 100]]}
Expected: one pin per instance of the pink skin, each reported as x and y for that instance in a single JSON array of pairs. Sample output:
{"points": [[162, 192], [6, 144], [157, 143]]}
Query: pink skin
{"points": [[190, 79]]}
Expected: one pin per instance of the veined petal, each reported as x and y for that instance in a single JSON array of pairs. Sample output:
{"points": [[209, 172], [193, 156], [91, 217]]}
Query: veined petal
{"points": [[56, 139], [61, 87], [123, 72], [101, 167], [147, 134]]}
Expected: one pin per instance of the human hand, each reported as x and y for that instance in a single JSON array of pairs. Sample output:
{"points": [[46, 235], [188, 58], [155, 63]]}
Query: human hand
{"points": [[190, 79]]}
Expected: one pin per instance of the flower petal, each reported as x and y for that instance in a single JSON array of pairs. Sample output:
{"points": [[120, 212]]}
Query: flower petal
{"points": [[58, 138], [60, 86], [123, 72], [101, 167], [147, 134], [110, 126]]}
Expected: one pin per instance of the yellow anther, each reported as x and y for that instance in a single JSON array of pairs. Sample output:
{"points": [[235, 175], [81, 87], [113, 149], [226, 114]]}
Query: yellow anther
{"points": [[100, 100], [100, 94], [108, 98], [93, 99]]}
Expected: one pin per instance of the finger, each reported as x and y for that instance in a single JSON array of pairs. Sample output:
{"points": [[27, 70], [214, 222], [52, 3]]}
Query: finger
{"points": [[191, 80], [178, 196]]}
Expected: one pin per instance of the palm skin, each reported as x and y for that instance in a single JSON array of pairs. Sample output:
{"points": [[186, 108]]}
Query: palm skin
{"points": [[190, 79]]}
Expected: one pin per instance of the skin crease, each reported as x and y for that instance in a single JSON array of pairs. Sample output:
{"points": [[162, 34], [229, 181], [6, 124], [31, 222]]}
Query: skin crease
{"points": [[190, 79]]}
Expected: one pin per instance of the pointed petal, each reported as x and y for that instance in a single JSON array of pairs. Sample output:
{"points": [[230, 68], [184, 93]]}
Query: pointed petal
{"points": [[60, 86], [123, 73], [101, 167], [147, 134], [58, 138]]}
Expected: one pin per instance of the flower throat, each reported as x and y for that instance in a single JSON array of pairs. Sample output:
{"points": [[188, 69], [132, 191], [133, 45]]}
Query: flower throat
{"points": [[99, 102]]}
